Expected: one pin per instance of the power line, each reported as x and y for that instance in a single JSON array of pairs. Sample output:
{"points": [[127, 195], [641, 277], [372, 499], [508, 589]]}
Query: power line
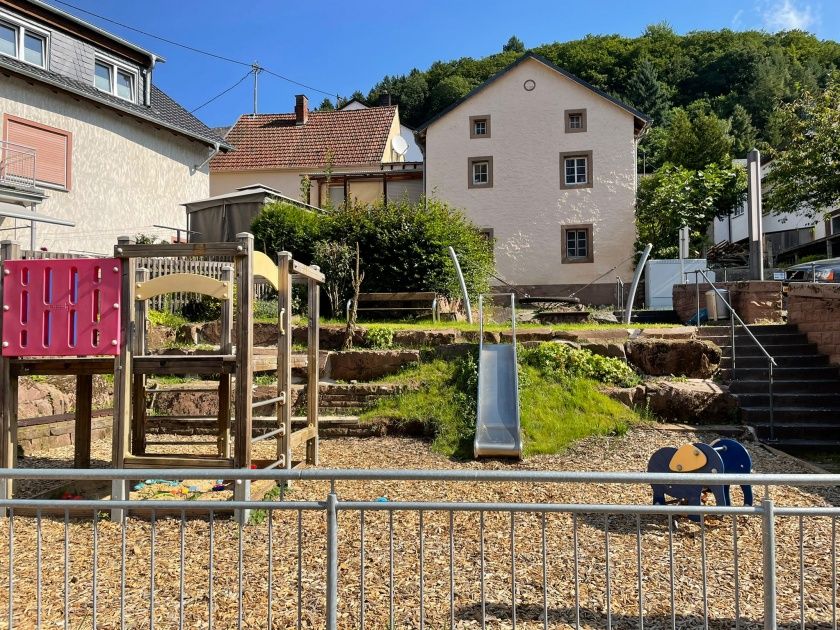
{"points": [[220, 94], [192, 48]]}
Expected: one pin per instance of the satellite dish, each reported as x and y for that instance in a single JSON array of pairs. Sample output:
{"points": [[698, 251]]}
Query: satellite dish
{"points": [[399, 145]]}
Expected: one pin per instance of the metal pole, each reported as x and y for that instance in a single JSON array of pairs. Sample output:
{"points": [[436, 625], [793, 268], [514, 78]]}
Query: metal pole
{"points": [[697, 292], [732, 333], [332, 559], [463, 284], [768, 540], [628, 309], [770, 394]]}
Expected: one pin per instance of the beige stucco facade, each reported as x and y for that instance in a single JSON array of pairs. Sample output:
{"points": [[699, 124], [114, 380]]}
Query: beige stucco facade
{"points": [[127, 175], [526, 207]]}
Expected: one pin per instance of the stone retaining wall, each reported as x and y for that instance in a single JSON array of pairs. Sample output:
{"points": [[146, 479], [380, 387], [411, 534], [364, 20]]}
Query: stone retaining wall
{"points": [[815, 309], [37, 434], [753, 301]]}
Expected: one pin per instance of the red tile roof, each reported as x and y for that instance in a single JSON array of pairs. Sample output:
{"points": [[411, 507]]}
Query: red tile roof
{"points": [[268, 141]]}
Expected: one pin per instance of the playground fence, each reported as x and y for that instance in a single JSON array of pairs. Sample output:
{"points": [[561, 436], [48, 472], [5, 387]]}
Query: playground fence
{"points": [[337, 562], [171, 302]]}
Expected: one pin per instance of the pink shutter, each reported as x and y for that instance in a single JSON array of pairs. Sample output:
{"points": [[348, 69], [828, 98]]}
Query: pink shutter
{"points": [[52, 149]]}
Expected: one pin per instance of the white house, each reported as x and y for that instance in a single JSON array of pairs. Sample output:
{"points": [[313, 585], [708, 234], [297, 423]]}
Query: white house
{"points": [[787, 236], [546, 164], [87, 137]]}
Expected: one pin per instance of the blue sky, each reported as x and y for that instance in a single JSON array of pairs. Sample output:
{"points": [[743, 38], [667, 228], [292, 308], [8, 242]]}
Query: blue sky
{"points": [[342, 46]]}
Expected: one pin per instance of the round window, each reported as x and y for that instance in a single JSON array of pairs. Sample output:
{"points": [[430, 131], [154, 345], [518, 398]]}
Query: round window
{"points": [[529, 85]]}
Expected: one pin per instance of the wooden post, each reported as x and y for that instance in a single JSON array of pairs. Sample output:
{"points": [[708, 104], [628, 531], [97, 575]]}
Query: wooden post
{"points": [[284, 355], [8, 392], [313, 369], [244, 349], [138, 383], [122, 374], [83, 417], [226, 347]]}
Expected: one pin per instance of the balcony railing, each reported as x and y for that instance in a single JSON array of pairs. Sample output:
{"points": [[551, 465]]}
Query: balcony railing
{"points": [[17, 165]]}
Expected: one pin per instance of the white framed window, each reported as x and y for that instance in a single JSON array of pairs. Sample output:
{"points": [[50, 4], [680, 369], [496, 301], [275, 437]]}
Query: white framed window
{"points": [[481, 173], [22, 41], [575, 171], [115, 79]]}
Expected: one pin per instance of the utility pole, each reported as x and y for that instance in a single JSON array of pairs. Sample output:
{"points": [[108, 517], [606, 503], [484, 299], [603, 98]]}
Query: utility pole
{"points": [[256, 69]]}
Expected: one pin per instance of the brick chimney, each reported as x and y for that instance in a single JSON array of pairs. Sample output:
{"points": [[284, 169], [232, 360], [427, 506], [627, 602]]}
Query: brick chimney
{"points": [[301, 109], [384, 99]]}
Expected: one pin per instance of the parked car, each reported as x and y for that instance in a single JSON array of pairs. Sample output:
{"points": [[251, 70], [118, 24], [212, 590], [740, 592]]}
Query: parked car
{"points": [[827, 270]]}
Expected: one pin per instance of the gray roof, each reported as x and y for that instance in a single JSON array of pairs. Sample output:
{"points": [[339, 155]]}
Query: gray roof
{"points": [[163, 111]]}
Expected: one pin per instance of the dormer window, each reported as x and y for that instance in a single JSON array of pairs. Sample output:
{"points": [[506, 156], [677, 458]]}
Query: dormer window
{"points": [[114, 79], [22, 42], [479, 126]]}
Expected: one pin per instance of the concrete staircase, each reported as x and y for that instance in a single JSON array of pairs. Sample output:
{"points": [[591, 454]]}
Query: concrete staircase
{"points": [[806, 387]]}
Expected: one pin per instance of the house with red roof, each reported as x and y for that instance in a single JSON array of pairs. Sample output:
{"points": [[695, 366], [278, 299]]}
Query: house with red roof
{"points": [[345, 154]]}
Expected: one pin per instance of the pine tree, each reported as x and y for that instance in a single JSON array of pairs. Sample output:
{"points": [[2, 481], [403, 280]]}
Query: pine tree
{"points": [[326, 106], [744, 135], [514, 44], [647, 92]]}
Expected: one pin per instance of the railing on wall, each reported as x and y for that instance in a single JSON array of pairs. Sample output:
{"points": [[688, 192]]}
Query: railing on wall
{"points": [[17, 165], [489, 557]]}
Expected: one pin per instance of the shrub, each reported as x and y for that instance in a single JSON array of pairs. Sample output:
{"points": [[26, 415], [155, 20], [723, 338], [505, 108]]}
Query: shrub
{"points": [[202, 309], [403, 246], [559, 362], [335, 260], [282, 226], [379, 337]]}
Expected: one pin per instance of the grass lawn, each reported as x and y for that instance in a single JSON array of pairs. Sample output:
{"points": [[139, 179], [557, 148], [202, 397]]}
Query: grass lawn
{"points": [[553, 414]]}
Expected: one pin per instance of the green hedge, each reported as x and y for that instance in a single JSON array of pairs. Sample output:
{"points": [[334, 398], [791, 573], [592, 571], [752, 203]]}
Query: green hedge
{"points": [[403, 246]]}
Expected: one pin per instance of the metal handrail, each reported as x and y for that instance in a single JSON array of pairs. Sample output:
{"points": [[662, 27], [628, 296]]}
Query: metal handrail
{"points": [[732, 317]]}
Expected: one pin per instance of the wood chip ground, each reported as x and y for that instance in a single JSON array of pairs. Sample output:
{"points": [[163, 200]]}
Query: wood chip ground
{"points": [[695, 600]]}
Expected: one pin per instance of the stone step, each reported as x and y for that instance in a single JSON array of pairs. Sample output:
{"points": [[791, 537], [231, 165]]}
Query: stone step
{"points": [[814, 435], [755, 329], [760, 386], [774, 349], [742, 338], [782, 361], [789, 399], [783, 373], [801, 415]]}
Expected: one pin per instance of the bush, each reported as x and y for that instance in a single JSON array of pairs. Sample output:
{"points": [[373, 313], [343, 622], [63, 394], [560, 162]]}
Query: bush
{"points": [[379, 337], [559, 362], [202, 309], [282, 226], [403, 246]]}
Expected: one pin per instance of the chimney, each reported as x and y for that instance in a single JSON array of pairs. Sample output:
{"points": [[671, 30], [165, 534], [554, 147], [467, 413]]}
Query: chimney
{"points": [[301, 109], [384, 99]]}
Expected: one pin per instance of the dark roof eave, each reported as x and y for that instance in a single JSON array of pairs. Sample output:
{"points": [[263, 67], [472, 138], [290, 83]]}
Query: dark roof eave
{"points": [[639, 116], [223, 146]]}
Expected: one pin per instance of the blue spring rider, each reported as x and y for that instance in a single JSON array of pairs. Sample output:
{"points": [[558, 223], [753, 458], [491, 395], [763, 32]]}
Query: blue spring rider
{"points": [[721, 456]]}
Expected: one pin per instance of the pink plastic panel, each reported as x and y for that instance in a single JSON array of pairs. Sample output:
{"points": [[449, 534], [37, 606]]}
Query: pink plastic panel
{"points": [[65, 308]]}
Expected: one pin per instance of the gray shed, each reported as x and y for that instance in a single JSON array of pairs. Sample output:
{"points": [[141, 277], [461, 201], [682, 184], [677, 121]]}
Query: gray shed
{"points": [[221, 218]]}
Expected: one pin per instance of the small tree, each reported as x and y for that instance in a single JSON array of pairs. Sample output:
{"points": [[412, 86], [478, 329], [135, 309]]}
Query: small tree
{"points": [[305, 189], [356, 279], [514, 44], [806, 174], [647, 92], [335, 260]]}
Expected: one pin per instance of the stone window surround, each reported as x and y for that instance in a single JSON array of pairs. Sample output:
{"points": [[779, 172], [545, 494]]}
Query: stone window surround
{"points": [[473, 120], [589, 170], [565, 259], [567, 120], [473, 160]]}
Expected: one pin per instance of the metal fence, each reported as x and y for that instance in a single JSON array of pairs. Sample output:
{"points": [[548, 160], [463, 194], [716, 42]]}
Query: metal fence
{"points": [[318, 556], [17, 165]]}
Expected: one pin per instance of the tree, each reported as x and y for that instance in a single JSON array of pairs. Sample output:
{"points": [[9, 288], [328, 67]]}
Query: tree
{"points": [[647, 92], [806, 175], [325, 106], [676, 196], [743, 133], [448, 91], [514, 44], [696, 138]]}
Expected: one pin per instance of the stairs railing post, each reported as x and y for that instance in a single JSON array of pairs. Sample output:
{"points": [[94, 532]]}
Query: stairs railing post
{"points": [[732, 334], [770, 394], [697, 292]]}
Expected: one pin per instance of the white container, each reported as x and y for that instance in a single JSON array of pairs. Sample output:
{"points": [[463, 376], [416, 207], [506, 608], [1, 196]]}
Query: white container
{"points": [[715, 305], [662, 275]]}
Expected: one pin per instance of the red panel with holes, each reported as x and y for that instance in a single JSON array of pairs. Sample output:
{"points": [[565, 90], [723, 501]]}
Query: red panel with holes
{"points": [[61, 308]]}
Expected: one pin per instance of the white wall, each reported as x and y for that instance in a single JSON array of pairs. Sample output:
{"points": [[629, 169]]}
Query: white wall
{"points": [[526, 206], [126, 175]]}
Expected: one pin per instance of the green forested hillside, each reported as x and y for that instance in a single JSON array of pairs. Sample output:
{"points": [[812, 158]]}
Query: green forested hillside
{"points": [[655, 72]]}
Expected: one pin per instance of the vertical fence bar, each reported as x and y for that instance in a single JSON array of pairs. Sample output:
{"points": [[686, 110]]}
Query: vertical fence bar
{"points": [[182, 549], [361, 568], [834, 573], [481, 566], [671, 570], [299, 569], [67, 569], [577, 570], [801, 573], [95, 563], [513, 566], [38, 568], [210, 573], [332, 559], [451, 569], [270, 593], [737, 569], [391, 568], [639, 571], [152, 572], [768, 543], [11, 566], [544, 572], [422, 576], [122, 573], [607, 569], [704, 572]]}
